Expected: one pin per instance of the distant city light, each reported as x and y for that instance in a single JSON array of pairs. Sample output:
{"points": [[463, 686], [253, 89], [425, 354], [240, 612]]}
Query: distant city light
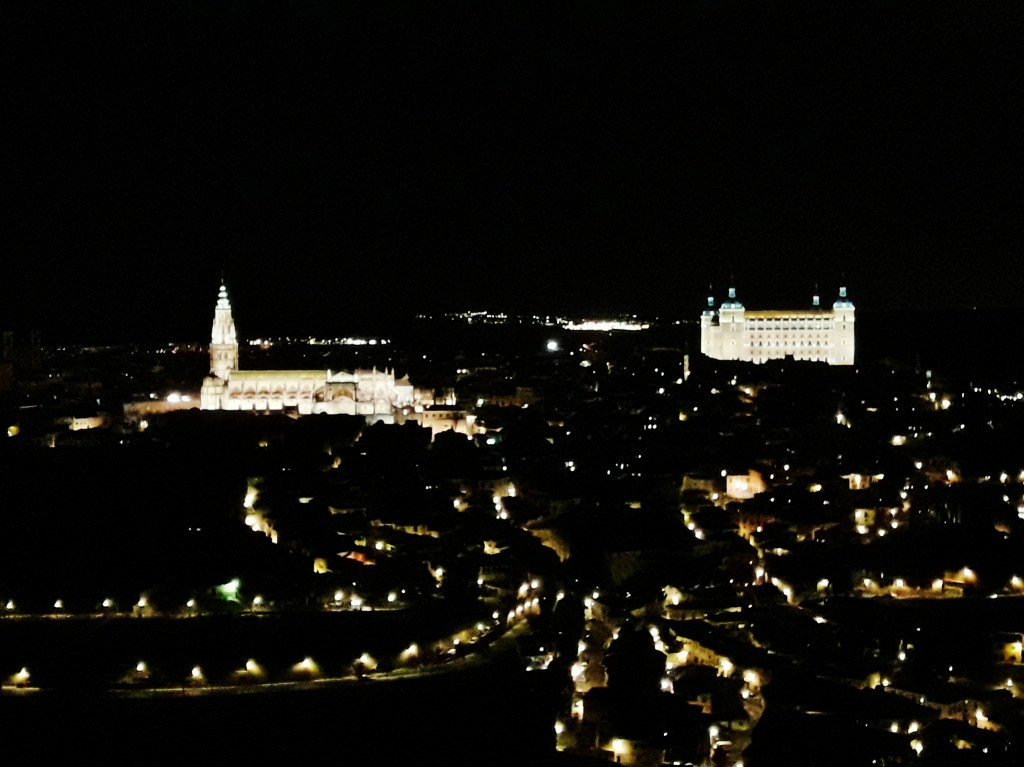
{"points": [[607, 325]]}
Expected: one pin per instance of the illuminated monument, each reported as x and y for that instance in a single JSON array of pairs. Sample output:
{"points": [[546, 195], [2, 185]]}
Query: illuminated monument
{"points": [[815, 334], [375, 394], [223, 342]]}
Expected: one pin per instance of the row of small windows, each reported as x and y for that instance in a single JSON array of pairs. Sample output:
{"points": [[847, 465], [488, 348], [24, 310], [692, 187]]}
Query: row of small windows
{"points": [[779, 344], [776, 325], [788, 324]]}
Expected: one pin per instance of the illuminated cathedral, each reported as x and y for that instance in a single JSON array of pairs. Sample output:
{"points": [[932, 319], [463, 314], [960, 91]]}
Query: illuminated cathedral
{"points": [[375, 394]]}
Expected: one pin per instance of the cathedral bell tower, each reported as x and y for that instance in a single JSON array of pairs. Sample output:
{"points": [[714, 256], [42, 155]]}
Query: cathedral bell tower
{"points": [[223, 343]]}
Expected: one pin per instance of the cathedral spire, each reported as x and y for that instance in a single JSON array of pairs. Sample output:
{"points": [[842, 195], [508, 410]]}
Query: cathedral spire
{"points": [[222, 297], [223, 341]]}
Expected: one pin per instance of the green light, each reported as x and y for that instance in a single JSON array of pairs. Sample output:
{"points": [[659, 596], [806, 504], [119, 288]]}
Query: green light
{"points": [[229, 590]]}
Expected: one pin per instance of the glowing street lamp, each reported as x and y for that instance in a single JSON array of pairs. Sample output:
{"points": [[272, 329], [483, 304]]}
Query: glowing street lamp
{"points": [[368, 661]]}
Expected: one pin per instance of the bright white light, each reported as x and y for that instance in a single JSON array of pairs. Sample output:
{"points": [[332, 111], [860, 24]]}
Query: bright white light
{"points": [[552, 346]]}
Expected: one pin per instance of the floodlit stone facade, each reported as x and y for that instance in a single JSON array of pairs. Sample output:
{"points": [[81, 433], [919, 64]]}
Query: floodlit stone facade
{"points": [[376, 394], [816, 334]]}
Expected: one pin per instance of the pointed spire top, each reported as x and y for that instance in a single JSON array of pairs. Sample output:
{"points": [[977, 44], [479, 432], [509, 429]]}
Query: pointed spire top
{"points": [[222, 297], [731, 302], [844, 300]]}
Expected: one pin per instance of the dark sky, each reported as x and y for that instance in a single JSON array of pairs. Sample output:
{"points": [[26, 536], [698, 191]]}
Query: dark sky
{"points": [[336, 159]]}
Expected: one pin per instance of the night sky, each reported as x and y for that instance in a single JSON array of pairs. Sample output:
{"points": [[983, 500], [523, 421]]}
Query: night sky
{"points": [[337, 159]]}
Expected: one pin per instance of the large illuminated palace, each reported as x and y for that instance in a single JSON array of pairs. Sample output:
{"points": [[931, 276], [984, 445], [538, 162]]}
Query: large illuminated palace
{"points": [[376, 394], [815, 334]]}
